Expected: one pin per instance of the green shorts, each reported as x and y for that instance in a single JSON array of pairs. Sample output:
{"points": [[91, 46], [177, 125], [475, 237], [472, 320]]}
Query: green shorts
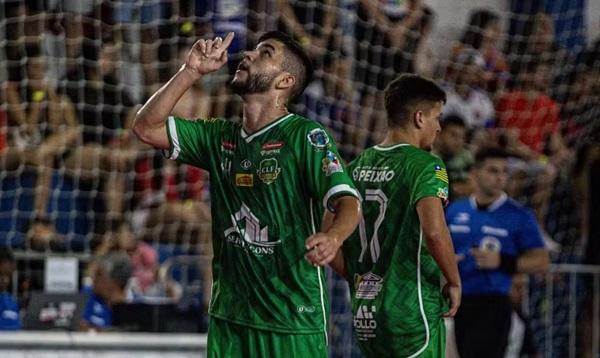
{"points": [[392, 348], [226, 339]]}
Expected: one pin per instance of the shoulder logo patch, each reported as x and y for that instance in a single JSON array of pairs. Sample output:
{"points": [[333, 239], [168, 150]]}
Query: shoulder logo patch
{"points": [[318, 138], [331, 164], [441, 173]]}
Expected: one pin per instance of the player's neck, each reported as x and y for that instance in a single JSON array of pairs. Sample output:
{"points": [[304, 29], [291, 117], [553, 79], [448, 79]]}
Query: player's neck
{"points": [[486, 200], [259, 111], [400, 136]]}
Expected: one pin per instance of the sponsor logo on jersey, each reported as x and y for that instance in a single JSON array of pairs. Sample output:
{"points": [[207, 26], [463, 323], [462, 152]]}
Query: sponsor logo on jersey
{"points": [[271, 148], [318, 138], [373, 174], [331, 164], [302, 309], [227, 146], [247, 234], [462, 218], [441, 174], [244, 179], [490, 243], [246, 164], [442, 193], [364, 322], [368, 285], [268, 170]]}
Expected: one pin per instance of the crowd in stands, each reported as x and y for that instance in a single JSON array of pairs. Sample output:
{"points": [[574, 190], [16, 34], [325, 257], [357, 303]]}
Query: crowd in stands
{"points": [[75, 179]]}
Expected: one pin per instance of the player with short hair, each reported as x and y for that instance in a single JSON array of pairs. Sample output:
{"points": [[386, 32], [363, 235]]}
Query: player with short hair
{"points": [[272, 176], [393, 261]]}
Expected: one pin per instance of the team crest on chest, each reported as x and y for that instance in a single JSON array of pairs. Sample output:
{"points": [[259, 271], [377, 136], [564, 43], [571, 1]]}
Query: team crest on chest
{"points": [[268, 170]]}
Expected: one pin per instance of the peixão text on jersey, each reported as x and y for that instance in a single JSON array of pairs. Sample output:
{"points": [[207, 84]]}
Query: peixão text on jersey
{"points": [[373, 174]]}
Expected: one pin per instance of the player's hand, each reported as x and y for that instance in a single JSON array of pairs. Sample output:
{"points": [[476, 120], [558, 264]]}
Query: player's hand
{"points": [[207, 56], [321, 248], [452, 293], [486, 259]]}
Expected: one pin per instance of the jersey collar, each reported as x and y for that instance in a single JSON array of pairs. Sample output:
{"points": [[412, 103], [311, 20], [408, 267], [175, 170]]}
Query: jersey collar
{"points": [[248, 137], [493, 206], [390, 147]]}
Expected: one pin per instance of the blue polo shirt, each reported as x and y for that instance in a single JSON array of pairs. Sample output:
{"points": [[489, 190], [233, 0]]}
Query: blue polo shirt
{"points": [[9, 313], [96, 312], [505, 226]]}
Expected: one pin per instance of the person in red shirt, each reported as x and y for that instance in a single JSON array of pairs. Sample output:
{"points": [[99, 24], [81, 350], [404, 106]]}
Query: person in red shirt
{"points": [[527, 112]]}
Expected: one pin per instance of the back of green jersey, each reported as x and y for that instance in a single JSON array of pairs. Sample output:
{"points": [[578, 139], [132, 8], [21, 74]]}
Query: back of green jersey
{"points": [[394, 281]]}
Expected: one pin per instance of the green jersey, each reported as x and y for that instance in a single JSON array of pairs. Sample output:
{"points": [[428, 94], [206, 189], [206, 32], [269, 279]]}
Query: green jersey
{"points": [[394, 280], [268, 192]]}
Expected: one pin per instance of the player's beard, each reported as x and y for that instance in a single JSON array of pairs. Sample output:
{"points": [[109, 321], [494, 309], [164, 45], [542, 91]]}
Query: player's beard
{"points": [[256, 83]]}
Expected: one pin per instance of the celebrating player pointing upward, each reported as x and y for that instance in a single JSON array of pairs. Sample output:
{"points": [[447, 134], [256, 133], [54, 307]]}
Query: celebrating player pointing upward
{"points": [[393, 262], [272, 176]]}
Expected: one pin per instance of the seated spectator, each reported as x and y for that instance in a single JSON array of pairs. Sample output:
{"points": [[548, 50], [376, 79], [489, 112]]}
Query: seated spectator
{"points": [[9, 308], [107, 111], [42, 127], [42, 236], [527, 113], [111, 275], [450, 147], [463, 90]]}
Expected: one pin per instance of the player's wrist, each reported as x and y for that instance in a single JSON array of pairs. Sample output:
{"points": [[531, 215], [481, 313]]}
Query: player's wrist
{"points": [[190, 72]]}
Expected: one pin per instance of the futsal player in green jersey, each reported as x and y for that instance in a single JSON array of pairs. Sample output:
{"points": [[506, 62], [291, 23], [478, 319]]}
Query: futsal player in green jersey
{"points": [[393, 261], [271, 178]]}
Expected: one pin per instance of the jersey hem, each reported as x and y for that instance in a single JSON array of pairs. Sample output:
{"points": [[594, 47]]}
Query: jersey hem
{"points": [[267, 328]]}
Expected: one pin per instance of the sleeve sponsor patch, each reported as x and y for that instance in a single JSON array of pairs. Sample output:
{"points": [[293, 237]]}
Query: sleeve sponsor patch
{"points": [[318, 138], [441, 174], [331, 164]]}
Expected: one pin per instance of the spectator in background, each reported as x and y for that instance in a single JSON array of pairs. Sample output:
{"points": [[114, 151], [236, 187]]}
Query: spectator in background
{"points": [[465, 97], [482, 34], [111, 274], [527, 113], [143, 257], [43, 127], [9, 308], [106, 115], [42, 236], [494, 238], [450, 147], [310, 23]]}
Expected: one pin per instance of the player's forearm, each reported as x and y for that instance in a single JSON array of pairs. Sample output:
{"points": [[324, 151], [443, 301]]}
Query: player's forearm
{"points": [[533, 261], [345, 220], [155, 111], [441, 248]]}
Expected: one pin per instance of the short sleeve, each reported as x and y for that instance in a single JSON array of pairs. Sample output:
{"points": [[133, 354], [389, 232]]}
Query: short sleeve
{"points": [[529, 236], [325, 174], [191, 140], [431, 181]]}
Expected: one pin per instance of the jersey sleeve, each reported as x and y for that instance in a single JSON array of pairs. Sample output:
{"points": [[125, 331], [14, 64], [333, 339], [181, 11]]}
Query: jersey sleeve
{"points": [[191, 140], [529, 236], [325, 175], [431, 181]]}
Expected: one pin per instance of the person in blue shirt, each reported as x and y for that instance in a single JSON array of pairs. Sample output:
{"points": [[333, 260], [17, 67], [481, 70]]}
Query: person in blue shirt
{"points": [[9, 308], [494, 237], [111, 273]]}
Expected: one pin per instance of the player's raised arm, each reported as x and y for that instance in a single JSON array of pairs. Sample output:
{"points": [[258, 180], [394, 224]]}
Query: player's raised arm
{"points": [[206, 56]]}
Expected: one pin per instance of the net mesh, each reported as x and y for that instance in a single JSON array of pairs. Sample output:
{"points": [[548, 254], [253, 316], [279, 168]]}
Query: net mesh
{"points": [[523, 76]]}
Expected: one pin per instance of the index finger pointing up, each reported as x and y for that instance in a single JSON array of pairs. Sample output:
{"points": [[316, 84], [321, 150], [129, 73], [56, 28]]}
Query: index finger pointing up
{"points": [[227, 41]]}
